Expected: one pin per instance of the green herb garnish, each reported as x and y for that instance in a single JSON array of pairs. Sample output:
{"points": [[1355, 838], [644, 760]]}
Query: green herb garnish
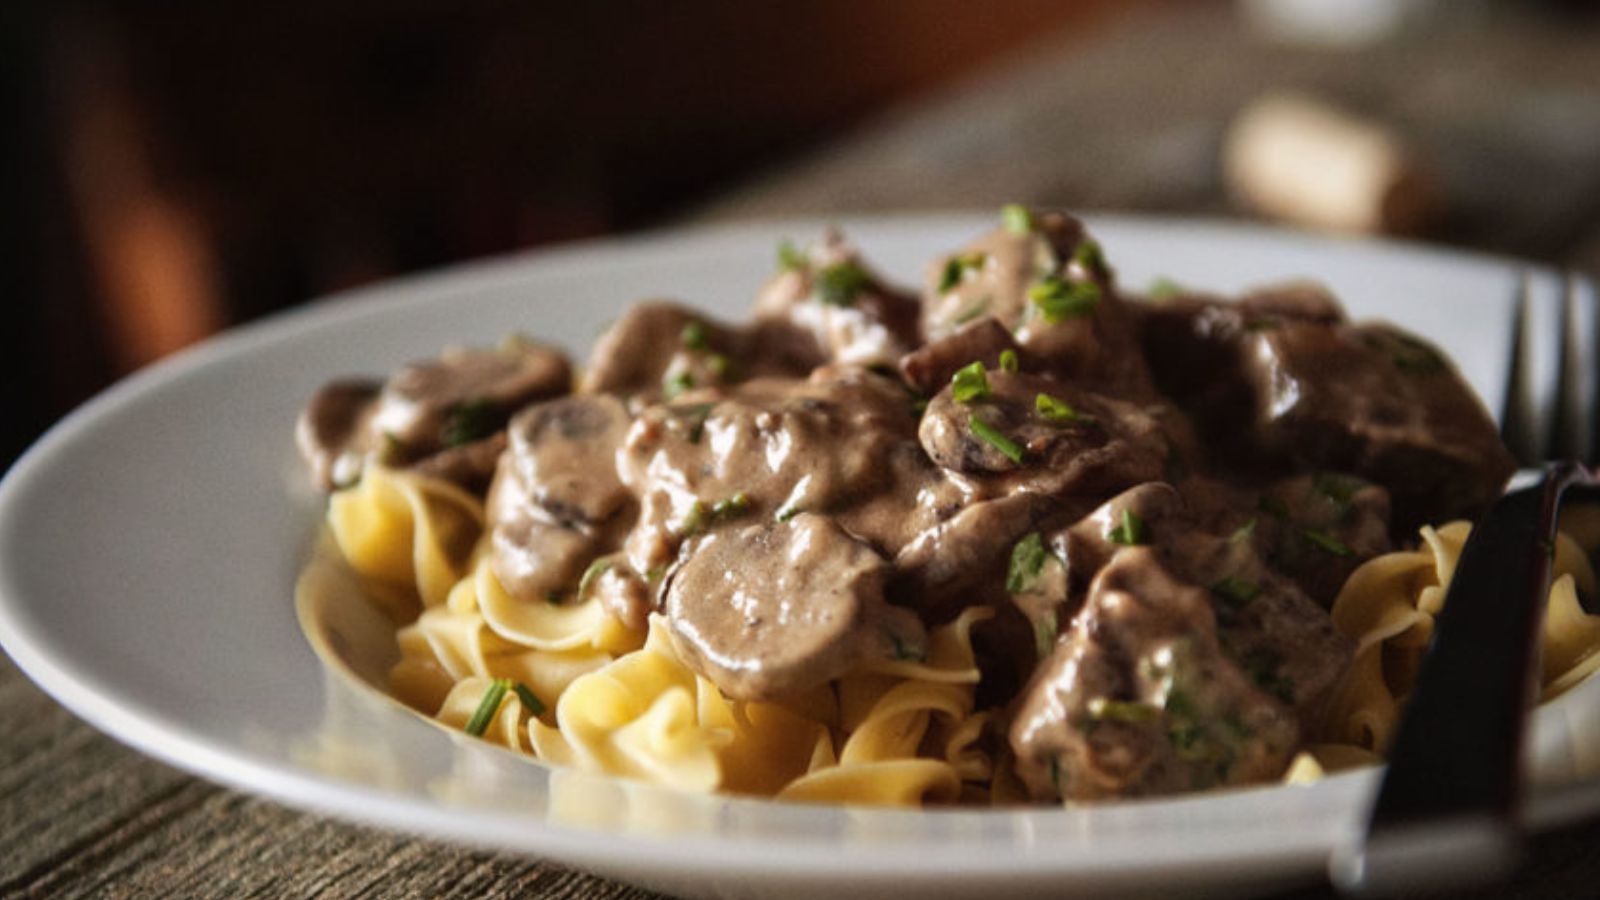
{"points": [[1008, 361], [1027, 561], [592, 573], [693, 335], [488, 706], [675, 384], [1235, 592], [1057, 299], [1057, 411], [972, 312], [1133, 712], [1089, 255], [737, 505], [838, 284], [790, 259], [970, 383], [1045, 632], [530, 701], [1326, 542], [1164, 289], [906, 652], [1017, 218], [992, 436], [1129, 532], [787, 513], [957, 267], [720, 365], [469, 421]]}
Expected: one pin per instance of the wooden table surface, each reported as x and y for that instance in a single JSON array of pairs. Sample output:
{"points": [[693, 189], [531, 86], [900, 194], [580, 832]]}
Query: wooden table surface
{"points": [[1128, 118]]}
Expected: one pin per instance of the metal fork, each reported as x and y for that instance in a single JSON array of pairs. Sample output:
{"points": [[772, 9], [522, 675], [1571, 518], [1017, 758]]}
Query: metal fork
{"points": [[1447, 814]]}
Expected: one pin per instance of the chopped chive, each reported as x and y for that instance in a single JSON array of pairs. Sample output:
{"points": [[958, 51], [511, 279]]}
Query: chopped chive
{"points": [[840, 283], [1163, 289], [957, 267], [1045, 632], [1339, 490], [906, 652], [1243, 533], [1057, 299], [469, 421], [970, 383], [530, 701], [693, 335], [1008, 361], [972, 312], [1235, 592], [790, 259], [694, 519], [992, 436], [719, 364], [1058, 411], [737, 505], [1027, 561], [788, 512], [394, 450], [1326, 541], [1018, 219], [1130, 532], [1133, 712], [487, 707], [673, 385], [1089, 255], [592, 573]]}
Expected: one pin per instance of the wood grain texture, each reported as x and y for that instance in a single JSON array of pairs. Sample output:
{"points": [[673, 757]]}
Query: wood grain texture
{"points": [[1128, 121]]}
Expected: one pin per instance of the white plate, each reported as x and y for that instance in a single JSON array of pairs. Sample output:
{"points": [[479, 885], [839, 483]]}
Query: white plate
{"points": [[149, 547]]}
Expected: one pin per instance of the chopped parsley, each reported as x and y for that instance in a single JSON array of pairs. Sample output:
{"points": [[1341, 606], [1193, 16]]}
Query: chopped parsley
{"points": [[719, 364], [1027, 561], [693, 335], [840, 283], [1056, 299], [487, 707], [699, 516], [957, 267], [1017, 218], [1327, 542], [737, 505], [970, 383], [1234, 591], [790, 259], [470, 421], [1058, 411], [1131, 531], [992, 436], [1008, 360]]}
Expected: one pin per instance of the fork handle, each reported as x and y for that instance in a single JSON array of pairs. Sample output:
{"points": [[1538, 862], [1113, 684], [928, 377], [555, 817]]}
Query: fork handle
{"points": [[1447, 811]]}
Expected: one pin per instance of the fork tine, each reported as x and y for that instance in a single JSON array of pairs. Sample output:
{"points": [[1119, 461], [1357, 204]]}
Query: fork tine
{"points": [[1572, 427], [1516, 411]]}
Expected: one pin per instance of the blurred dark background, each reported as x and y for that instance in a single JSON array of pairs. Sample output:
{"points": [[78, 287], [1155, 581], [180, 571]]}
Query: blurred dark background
{"points": [[179, 167]]}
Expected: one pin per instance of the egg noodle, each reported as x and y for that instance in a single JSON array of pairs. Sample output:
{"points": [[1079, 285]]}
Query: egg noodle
{"points": [[568, 684]]}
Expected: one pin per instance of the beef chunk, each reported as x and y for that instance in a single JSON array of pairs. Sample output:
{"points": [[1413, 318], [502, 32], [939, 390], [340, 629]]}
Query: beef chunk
{"points": [[430, 415], [777, 608], [850, 314]]}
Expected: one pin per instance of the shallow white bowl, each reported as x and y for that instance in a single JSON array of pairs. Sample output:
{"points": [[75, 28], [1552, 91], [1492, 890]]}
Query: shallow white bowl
{"points": [[149, 547]]}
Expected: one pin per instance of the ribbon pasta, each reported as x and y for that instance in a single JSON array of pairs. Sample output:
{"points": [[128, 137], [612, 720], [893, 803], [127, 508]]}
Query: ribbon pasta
{"points": [[895, 732], [1388, 606]]}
